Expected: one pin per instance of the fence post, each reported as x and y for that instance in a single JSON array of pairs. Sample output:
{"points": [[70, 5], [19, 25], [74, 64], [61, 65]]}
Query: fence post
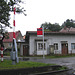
{"points": [[1, 54]]}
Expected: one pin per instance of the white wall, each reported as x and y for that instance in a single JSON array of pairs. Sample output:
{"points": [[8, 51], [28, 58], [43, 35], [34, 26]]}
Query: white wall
{"points": [[31, 45], [51, 39]]}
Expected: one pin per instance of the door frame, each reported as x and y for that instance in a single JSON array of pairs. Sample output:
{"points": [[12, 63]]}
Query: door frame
{"points": [[26, 50], [64, 48]]}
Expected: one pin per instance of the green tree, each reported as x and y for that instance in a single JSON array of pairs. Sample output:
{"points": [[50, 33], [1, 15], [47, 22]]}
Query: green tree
{"points": [[4, 13], [19, 9], [6, 7], [51, 27], [68, 23]]}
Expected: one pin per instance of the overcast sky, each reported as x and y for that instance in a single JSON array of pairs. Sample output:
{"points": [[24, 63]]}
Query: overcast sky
{"points": [[41, 11]]}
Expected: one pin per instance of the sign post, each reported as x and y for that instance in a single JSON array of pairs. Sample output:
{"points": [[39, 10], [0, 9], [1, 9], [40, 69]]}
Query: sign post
{"points": [[40, 33], [43, 42]]}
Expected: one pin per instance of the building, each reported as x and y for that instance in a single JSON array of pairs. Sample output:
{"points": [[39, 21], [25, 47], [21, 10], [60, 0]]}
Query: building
{"points": [[24, 47], [8, 42], [62, 42]]}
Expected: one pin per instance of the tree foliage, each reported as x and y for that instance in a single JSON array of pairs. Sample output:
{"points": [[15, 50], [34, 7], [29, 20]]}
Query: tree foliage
{"points": [[56, 27], [6, 7], [69, 23], [19, 9], [51, 27], [4, 13]]}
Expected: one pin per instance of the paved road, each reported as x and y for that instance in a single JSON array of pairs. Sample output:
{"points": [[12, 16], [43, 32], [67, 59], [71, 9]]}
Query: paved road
{"points": [[69, 62]]}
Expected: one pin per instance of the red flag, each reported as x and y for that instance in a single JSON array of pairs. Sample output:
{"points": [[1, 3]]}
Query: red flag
{"points": [[39, 32]]}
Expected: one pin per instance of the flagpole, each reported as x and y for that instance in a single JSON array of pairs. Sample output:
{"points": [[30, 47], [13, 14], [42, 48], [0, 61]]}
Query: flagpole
{"points": [[43, 42]]}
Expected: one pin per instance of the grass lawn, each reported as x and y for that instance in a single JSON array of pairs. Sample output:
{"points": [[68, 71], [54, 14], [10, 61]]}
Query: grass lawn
{"points": [[7, 64], [54, 56], [60, 56]]}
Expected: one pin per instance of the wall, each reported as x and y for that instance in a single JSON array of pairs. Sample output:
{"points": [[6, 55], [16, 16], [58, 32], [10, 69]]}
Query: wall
{"points": [[51, 39], [31, 44]]}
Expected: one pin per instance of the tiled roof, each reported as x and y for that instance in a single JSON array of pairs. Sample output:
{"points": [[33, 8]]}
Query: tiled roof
{"points": [[68, 29], [11, 36], [63, 31]]}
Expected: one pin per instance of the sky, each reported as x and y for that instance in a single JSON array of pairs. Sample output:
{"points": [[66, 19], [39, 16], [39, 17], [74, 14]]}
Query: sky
{"points": [[41, 11]]}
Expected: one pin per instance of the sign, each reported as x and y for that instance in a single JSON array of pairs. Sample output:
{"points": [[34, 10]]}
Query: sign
{"points": [[39, 32]]}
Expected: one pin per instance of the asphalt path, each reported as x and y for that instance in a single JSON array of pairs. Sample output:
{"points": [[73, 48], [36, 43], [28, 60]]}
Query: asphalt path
{"points": [[67, 61]]}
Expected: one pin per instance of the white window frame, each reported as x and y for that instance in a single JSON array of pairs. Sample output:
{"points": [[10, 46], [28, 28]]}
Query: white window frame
{"points": [[73, 46], [42, 44], [55, 46]]}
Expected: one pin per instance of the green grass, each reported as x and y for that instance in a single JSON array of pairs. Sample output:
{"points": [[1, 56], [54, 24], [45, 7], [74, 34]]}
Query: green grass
{"points": [[53, 56], [60, 56], [62, 68], [7, 64]]}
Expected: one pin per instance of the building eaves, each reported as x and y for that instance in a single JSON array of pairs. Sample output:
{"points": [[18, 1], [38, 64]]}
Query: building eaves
{"points": [[49, 32]]}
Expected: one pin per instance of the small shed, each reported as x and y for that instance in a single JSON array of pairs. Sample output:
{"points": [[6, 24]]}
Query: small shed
{"points": [[24, 48]]}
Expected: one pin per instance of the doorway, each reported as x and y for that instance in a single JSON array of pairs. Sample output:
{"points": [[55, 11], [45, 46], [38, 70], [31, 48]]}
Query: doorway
{"points": [[25, 50], [64, 48]]}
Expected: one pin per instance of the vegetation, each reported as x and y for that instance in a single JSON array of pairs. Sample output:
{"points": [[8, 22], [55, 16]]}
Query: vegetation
{"points": [[4, 13], [6, 8], [53, 56], [62, 68], [56, 27], [7, 64], [51, 27], [60, 56], [68, 23]]}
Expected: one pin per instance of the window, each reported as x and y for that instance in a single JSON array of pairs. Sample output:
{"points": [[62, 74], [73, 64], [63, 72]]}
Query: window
{"points": [[40, 46], [73, 46], [55, 46]]}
